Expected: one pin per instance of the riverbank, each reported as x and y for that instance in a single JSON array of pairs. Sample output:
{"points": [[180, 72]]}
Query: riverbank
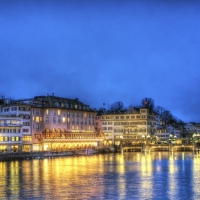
{"points": [[45, 154]]}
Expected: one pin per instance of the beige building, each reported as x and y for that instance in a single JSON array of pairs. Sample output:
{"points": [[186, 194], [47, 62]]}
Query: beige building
{"points": [[132, 124]]}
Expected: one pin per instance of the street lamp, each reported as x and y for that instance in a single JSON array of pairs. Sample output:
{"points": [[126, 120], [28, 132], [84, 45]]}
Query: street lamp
{"points": [[121, 149], [143, 138]]}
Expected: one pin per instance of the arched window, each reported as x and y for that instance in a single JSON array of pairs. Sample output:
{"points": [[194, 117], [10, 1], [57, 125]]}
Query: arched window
{"points": [[63, 130]]}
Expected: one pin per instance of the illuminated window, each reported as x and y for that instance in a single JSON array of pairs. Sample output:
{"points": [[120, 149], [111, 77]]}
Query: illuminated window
{"points": [[47, 111], [54, 120], [76, 106], [58, 112], [41, 119], [26, 138], [72, 126], [89, 128], [36, 147], [17, 138], [37, 119], [33, 118], [1, 138], [12, 139], [76, 127], [63, 120]]}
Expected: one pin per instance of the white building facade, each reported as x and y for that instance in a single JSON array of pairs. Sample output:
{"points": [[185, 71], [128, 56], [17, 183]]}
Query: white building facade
{"points": [[10, 134]]}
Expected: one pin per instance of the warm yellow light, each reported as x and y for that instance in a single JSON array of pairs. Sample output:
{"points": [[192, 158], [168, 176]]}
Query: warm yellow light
{"points": [[37, 119]]}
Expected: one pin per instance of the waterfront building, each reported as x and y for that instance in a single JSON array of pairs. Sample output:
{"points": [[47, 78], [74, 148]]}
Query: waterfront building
{"points": [[22, 109], [62, 124], [132, 124], [10, 134], [54, 123], [192, 128], [164, 133]]}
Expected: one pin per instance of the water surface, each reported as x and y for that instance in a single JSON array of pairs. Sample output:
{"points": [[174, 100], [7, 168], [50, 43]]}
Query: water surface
{"points": [[109, 176]]}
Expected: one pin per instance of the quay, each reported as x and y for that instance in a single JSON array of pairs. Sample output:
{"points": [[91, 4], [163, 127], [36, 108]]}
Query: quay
{"points": [[51, 154]]}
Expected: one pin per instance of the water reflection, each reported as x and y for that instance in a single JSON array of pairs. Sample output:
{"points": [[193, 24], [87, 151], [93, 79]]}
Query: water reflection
{"points": [[128, 176]]}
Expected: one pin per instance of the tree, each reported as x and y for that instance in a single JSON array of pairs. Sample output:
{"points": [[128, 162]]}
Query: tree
{"points": [[117, 107], [101, 111], [148, 103], [159, 110]]}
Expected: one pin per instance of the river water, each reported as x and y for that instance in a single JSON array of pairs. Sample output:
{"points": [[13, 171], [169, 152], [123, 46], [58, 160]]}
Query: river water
{"points": [[110, 176]]}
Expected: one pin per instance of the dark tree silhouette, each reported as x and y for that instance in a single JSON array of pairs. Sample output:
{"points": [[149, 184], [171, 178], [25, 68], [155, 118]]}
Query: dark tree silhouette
{"points": [[117, 107], [101, 111], [148, 103]]}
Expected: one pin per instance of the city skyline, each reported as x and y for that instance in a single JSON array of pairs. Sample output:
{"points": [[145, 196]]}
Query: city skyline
{"points": [[103, 52]]}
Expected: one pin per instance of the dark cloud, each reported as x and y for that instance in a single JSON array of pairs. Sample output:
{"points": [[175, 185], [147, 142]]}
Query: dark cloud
{"points": [[103, 51]]}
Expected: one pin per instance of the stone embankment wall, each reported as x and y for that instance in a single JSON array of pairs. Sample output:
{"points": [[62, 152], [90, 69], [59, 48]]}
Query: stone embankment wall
{"points": [[32, 155]]}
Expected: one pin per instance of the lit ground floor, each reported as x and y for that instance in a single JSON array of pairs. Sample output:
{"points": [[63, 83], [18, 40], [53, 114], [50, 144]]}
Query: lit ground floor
{"points": [[67, 144], [6, 148]]}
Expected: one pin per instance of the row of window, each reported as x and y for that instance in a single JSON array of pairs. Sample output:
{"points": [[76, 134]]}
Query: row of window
{"points": [[58, 112], [73, 106], [37, 127], [129, 123], [15, 108], [107, 128], [125, 117], [12, 139], [5, 130], [129, 130], [163, 135], [68, 121], [125, 131]]}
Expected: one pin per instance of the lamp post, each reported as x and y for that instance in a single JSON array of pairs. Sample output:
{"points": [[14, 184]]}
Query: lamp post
{"points": [[143, 142], [121, 149]]}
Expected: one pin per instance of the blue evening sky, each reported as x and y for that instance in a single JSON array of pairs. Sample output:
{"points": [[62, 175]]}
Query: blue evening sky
{"points": [[103, 51]]}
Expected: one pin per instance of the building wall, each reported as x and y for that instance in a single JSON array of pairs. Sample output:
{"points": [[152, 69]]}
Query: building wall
{"points": [[60, 120], [10, 134], [24, 112], [137, 124]]}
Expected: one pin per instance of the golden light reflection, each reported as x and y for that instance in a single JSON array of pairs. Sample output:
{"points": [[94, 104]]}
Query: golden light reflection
{"points": [[121, 181], [172, 175], [3, 180], [196, 176], [146, 174]]}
